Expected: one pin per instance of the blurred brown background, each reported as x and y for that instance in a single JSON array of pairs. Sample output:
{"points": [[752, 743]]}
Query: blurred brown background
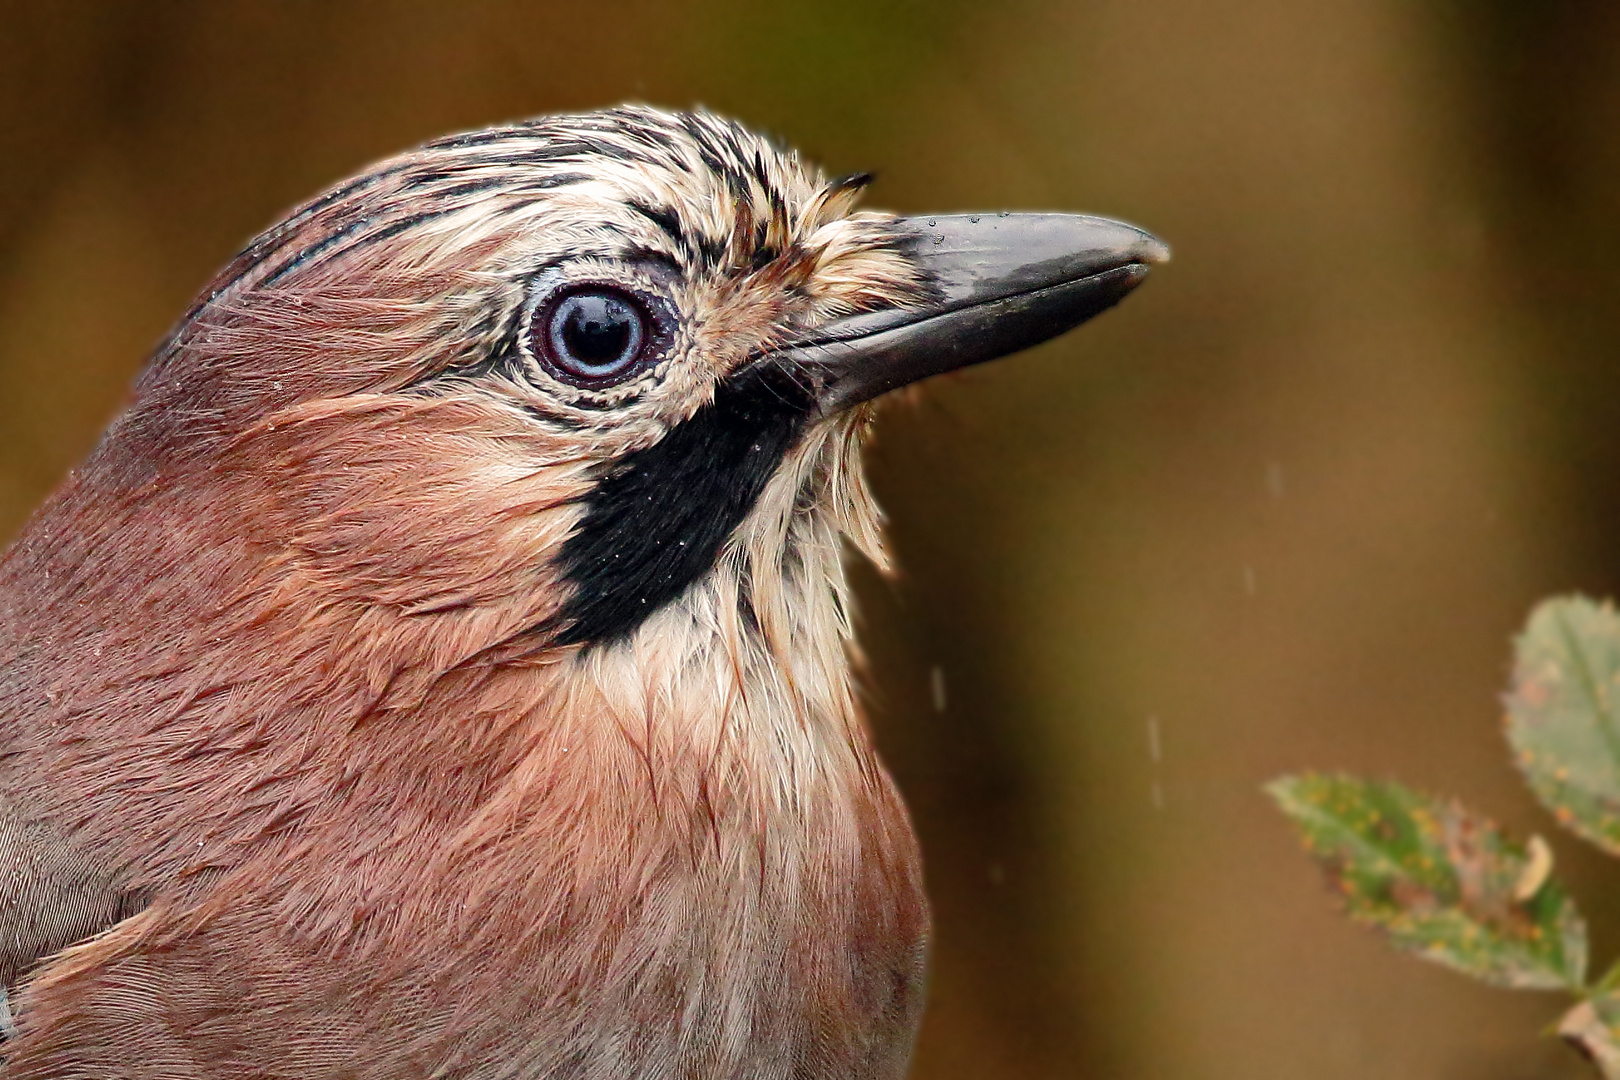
{"points": [[1285, 506]]}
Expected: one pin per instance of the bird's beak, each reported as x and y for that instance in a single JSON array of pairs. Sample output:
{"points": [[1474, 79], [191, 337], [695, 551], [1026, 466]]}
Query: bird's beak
{"points": [[1002, 282]]}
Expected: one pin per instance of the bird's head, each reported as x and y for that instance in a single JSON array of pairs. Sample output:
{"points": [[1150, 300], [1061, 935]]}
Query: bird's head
{"points": [[544, 379]]}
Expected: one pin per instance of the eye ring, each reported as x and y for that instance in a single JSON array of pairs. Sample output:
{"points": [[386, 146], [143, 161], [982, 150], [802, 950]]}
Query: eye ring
{"points": [[592, 336]]}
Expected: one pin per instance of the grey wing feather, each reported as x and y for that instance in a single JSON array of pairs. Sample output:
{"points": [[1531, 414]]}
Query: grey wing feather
{"points": [[52, 894]]}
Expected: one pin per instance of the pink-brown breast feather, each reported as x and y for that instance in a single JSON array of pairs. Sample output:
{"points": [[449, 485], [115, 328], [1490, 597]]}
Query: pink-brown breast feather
{"points": [[303, 717]]}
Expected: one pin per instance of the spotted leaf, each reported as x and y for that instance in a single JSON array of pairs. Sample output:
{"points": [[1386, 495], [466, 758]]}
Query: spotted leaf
{"points": [[1564, 715], [1441, 882]]}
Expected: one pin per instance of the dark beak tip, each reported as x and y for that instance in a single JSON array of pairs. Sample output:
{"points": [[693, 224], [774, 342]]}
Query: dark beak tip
{"points": [[1152, 251], [1119, 244], [1139, 271]]}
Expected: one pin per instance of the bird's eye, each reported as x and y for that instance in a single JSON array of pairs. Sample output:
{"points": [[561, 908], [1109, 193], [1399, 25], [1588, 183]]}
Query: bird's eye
{"points": [[592, 337]]}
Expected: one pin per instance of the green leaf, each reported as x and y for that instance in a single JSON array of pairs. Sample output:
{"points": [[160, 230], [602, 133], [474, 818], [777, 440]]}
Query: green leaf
{"points": [[1594, 1027], [1439, 881], [1564, 715]]}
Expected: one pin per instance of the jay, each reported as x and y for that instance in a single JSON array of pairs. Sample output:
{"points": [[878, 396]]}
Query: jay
{"points": [[442, 668]]}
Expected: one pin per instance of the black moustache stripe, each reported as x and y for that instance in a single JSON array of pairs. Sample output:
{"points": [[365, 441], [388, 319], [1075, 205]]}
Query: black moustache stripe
{"points": [[657, 519]]}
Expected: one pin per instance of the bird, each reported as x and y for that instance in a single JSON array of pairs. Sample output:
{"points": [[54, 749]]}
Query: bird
{"points": [[443, 666]]}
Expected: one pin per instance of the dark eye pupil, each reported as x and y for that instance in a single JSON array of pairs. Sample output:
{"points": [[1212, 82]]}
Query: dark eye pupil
{"points": [[594, 335], [596, 330]]}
